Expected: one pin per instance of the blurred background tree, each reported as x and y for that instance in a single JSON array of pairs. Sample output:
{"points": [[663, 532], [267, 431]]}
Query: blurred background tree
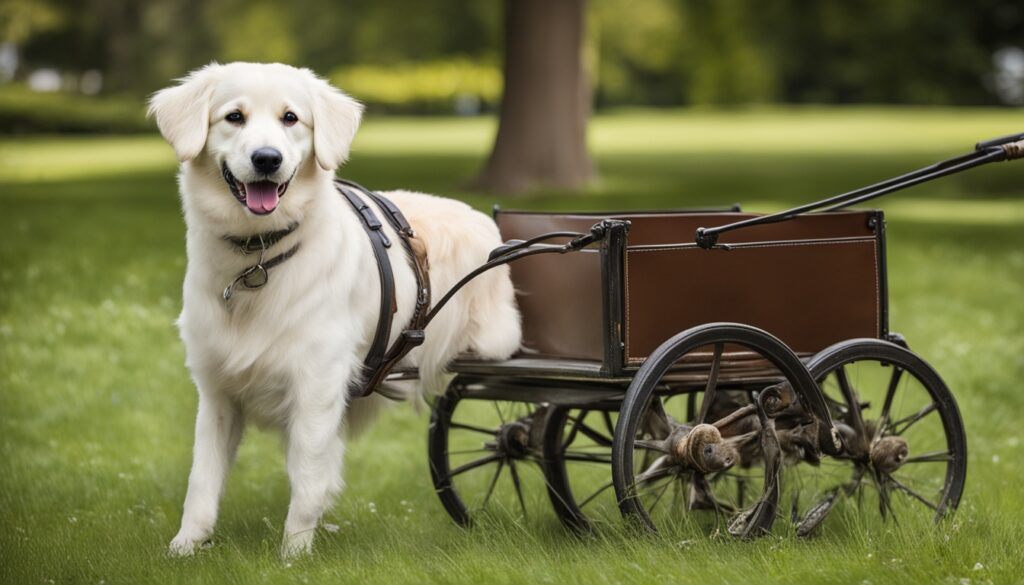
{"points": [[672, 52], [446, 56], [542, 127]]}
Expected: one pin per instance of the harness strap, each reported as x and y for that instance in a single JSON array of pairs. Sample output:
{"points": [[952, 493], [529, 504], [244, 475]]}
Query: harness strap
{"points": [[380, 243], [380, 359], [414, 248]]}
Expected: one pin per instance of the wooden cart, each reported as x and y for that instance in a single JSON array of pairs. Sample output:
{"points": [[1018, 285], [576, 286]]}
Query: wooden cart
{"points": [[722, 380]]}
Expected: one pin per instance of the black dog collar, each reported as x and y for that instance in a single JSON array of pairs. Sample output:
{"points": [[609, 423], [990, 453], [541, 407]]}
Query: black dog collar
{"points": [[260, 242]]}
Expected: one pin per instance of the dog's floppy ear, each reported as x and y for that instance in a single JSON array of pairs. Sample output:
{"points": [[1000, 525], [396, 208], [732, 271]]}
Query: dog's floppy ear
{"points": [[182, 112], [335, 121]]}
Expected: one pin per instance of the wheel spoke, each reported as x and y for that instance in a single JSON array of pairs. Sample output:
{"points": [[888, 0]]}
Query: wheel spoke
{"points": [[466, 427], [468, 451], [702, 496], [933, 457], [587, 458], [473, 465], [890, 393], [574, 429], [608, 423], [855, 482], [709, 389], [655, 420], [759, 518], [592, 434], [651, 445], [735, 415], [518, 485], [745, 437], [691, 405], [494, 482], [852, 402], [909, 421], [661, 494], [840, 407], [650, 479], [884, 500], [903, 488], [656, 470], [750, 475], [599, 491]]}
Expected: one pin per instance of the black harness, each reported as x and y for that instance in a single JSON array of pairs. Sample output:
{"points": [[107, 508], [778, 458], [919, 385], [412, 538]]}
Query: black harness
{"points": [[381, 359]]}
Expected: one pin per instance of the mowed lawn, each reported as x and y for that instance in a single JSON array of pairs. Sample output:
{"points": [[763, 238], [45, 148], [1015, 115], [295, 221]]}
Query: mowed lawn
{"points": [[96, 406]]}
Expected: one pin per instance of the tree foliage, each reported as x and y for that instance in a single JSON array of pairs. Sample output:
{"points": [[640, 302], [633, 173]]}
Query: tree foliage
{"points": [[654, 52]]}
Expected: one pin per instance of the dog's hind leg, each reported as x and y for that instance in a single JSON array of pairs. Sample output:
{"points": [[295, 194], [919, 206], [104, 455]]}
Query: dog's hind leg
{"points": [[218, 431], [315, 453]]}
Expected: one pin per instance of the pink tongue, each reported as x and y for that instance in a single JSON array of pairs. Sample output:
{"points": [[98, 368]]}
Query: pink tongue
{"points": [[261, 197]]}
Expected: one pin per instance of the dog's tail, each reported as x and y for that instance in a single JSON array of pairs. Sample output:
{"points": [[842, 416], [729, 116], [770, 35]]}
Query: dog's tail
{"points": [[494, 329]]}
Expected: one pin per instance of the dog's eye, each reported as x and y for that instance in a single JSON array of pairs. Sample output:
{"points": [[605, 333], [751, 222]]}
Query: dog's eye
{"points": [[289, 118], [235, 117]]}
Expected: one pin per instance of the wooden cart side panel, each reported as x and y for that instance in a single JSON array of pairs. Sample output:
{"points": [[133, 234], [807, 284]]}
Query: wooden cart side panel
{"points": [[810, 294], [560, 298]]}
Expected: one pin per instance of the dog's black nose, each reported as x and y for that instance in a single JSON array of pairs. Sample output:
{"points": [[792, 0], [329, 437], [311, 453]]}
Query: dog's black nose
{"points": [[266, 160]]}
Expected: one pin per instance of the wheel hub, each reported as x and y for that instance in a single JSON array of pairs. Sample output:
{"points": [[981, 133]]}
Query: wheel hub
{"points": [[888, 453], [513, 440]]}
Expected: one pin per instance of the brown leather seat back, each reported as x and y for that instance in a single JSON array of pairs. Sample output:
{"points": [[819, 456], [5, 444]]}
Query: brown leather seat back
{"points": [[812, 281]]}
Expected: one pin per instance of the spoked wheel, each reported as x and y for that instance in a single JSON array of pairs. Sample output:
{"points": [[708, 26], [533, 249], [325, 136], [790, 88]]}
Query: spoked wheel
{"points": [[578, 459], [485, 456], [697, 430], [906, 450]]}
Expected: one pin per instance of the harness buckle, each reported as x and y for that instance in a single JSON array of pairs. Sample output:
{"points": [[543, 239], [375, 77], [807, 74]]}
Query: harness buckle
{"points": [[414, 337], [369, 217]]}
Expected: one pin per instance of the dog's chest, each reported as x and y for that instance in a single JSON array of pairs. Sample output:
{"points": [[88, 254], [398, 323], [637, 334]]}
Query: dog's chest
{"points": [[312, 317]]}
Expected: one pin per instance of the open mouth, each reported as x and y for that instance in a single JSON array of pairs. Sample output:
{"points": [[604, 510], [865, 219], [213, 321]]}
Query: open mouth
{"points": [[260, 197]]}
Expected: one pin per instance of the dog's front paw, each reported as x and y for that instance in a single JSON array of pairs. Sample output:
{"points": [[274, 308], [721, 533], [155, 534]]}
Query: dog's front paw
{"points": [[184, 545], [297, 545]]}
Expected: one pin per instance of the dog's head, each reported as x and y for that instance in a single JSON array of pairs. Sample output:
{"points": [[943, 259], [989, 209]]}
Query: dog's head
{"points": [[259, 126]]}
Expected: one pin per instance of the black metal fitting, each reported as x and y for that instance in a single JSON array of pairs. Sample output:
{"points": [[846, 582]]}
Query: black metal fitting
{"points": [[597, 233], [986, 144], [898, 339], [706, 239], [504, 249]]}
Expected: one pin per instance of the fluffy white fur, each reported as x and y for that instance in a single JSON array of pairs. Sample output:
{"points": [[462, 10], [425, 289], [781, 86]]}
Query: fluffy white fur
{"points": [[285, 355]]}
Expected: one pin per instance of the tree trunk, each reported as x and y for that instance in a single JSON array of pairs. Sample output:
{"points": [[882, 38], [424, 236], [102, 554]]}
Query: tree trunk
{"points": [[541, 138], [122, 28]]}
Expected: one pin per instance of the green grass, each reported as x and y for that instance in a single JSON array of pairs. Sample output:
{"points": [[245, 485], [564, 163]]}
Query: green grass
{"points": [[96, 407]]}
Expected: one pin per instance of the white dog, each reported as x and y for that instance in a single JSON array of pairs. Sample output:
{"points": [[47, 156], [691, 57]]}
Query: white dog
{"points": [[258, 145]]}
